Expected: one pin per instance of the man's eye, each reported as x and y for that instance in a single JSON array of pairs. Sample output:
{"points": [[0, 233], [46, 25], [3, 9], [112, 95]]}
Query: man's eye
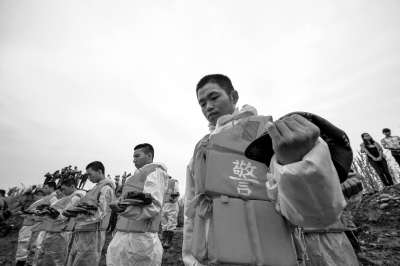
{"points": [[214, 98]]}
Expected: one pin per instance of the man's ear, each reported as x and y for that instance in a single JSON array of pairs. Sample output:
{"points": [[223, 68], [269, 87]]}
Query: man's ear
{"points": [[234, 96]]}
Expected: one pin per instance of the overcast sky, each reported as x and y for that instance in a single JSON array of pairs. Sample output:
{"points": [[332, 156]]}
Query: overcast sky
{"points": [[88, 80]]}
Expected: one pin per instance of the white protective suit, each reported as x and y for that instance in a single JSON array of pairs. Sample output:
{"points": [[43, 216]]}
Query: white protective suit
{"points": [[170, 212], [37, 234], [86, 246], [24, 237], [141, 249], [313, 181], [54, 249], [327, 249]]}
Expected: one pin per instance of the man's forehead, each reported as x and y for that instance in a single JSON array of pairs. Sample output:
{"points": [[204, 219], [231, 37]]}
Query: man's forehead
{"points": [[138, 151], [207, 89]]}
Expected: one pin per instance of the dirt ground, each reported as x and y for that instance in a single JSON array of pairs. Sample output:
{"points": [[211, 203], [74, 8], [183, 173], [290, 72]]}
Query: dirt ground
{"points": [[379, 234]]}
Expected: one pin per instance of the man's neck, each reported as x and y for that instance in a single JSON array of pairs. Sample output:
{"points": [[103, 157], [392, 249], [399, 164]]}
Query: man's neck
{"points": [[101, 179]]}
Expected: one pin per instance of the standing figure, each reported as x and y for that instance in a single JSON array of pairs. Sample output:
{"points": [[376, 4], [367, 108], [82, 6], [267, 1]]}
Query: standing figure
{"points": [[136, 242], [54, 249], [92, 214], [376, 158], [170, 212], [392, 143], [38, 232], [25, 233], [241, 210]]}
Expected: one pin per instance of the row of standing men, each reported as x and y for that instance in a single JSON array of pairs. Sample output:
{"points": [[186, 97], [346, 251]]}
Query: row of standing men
{"points": [[68, 233], [258, 192]]}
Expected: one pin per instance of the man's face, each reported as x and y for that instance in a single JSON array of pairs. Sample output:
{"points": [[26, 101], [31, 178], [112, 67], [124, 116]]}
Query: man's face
{"points": [[140, 158], [48, 190], [215, 102], [94, 176], [387, 133], [37, 196], [59, 194], [67, 190]]}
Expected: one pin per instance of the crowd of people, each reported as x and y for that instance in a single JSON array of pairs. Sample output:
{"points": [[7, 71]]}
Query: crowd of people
{"points": [[375, 156], [65, 225], [258, 192]]}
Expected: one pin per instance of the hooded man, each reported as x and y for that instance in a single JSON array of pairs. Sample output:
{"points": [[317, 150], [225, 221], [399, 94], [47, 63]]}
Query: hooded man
{"points": [[170, 212], [92, 214], [136, 242], [58, 234], [238, 210]]}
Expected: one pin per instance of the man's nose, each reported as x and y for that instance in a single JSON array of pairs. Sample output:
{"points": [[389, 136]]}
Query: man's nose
{"points": [[210, 107]]}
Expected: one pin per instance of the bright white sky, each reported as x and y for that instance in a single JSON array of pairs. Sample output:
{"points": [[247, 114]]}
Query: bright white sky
{"points": [[88, 80]]}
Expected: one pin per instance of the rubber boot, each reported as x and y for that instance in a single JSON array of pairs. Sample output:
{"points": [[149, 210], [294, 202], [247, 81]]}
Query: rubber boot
{"points": [[169, 239]]}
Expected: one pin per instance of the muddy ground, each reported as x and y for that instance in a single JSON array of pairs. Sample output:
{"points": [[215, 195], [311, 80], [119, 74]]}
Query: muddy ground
{"points": [[379, 234]]}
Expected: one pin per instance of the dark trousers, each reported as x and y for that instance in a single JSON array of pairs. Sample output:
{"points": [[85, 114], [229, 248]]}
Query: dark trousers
{"points": [[397, 158], [382, 169]]}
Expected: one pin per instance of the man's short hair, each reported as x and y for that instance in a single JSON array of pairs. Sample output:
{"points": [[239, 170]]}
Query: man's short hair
{"points": [[146, 147], [385, 130], [39, 192], [69, 182], [51, 185], [96, 166], [221, 80]]}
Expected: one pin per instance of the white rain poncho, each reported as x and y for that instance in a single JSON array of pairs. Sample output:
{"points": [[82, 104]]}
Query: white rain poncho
{"points": [[24, 237], [141, 249]]}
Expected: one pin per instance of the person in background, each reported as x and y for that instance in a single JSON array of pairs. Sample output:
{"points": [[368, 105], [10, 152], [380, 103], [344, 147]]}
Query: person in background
{"points": [[25, 233], [55, 244], [28, 200], [38, 232], [376, 158], [3, 205], [170, 212], [391, 143], [4, 214]]}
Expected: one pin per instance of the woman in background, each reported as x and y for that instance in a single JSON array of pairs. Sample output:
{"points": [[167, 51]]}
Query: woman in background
{"points": [[376, 158]]}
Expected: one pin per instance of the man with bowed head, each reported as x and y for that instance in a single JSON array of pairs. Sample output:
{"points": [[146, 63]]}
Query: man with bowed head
{"points": [[92, 214], [136, 242], [235, 209]]}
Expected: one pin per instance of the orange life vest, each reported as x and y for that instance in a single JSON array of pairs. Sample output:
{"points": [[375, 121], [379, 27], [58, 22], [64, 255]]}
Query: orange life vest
{"points": [[136, 183], [93, 195], [170, 190], [244, 226]]}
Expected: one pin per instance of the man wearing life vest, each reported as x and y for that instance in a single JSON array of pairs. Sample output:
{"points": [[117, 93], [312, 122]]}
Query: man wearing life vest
{"points": [[58, 227], [92, 217], [170, 212], [239, 211], [25, 232], [136, 242], [38, 232]]}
